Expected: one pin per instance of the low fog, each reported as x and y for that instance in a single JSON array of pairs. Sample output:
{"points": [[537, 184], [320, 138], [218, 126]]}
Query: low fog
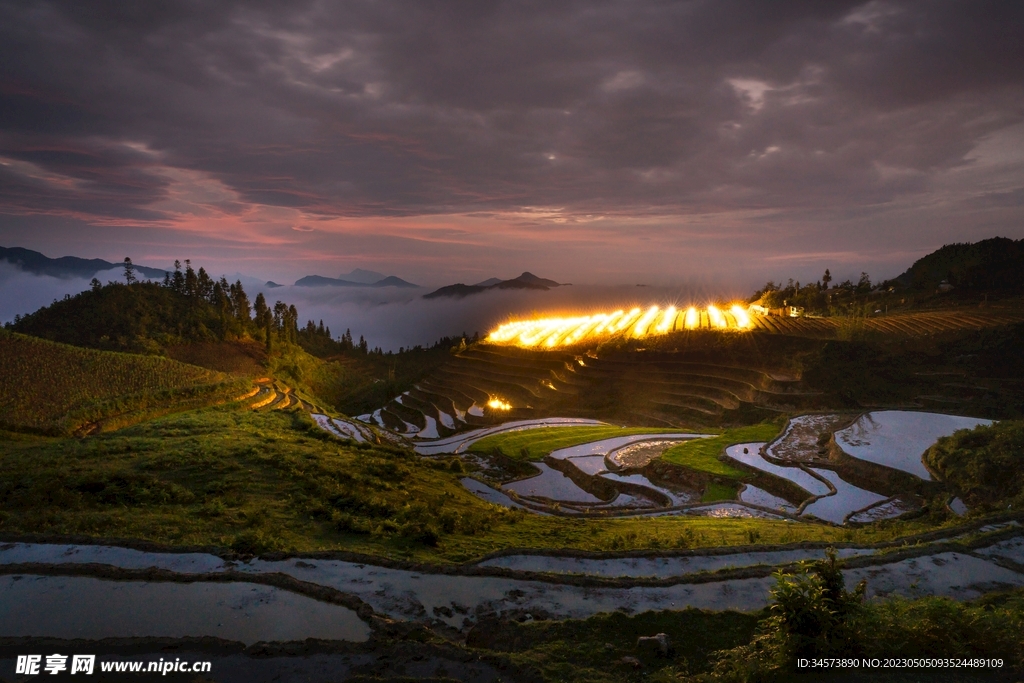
{"points": [[388, 317]]}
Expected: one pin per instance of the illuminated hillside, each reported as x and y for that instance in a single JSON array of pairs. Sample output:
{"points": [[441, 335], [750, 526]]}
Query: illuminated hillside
{"points": [[637, 323]]}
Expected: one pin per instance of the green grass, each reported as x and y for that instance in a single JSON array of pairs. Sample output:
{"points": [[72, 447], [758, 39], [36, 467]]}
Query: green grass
{"points": [[539, 442], [225, 476], [702, 454], [55, 388], [715, 492], [591, 650]]}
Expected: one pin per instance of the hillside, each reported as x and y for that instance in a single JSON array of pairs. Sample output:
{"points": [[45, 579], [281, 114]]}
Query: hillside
{"points": [[56, 388], [989, 265], [148, 317]]}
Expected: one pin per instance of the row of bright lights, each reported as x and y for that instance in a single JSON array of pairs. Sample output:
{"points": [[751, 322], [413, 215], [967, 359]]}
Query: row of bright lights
{"points": [[552, 332]]}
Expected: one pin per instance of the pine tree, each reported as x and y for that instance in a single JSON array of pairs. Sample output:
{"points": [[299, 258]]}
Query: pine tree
{"points": [[129, 271], [178, 279]]}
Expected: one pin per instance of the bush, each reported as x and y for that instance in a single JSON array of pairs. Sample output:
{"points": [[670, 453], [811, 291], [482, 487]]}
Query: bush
{"points": [[811, 615], [985, 464], [420, 533], [255, 542]]}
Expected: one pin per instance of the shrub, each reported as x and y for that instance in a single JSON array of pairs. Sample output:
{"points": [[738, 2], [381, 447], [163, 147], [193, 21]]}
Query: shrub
{"points": [[811, 615], [985, 464]]}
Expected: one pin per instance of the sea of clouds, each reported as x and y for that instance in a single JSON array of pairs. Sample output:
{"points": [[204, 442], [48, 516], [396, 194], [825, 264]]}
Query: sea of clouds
{"points": [[387, 317]]}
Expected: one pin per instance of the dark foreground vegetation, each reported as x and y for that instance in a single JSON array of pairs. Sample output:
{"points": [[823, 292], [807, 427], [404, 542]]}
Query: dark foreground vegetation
{"points": [[812, 615]]}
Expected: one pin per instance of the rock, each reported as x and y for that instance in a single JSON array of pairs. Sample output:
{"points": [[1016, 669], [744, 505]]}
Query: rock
{"points": [[658, 645], [631, 662]]}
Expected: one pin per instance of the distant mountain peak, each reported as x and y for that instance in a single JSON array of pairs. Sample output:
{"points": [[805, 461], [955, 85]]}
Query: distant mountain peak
{"points": [[366, 277], [525, 281], [393, 281], [321, 281]]}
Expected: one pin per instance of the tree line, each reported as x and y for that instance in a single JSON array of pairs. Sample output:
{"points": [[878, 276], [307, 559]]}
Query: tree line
{"points": [[189, 306]]}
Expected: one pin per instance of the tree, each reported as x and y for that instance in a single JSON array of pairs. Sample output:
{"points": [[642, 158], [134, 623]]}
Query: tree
{"points": [[129, 271], [191, 281], [826, 278], [178, 279], [240, 302], [263, 316], [293, 324], [204, 285], [864, 283]]}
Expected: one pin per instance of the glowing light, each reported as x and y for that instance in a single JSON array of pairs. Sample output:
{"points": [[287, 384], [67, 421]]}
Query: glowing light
{"points": [[642, 325], [551, 333], [608, 320], [626, 320], [742, 319], [499, 404], [667, 321], [692, 318], [716, 317]]}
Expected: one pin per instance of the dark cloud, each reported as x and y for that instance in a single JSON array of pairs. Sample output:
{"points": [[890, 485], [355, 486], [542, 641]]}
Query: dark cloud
{"points": [[368, 109]]}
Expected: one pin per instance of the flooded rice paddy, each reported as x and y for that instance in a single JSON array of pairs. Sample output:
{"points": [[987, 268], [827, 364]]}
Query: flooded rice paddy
{"points": [[846, 500], [749, 454], [250, 612], [899, 438], [485, 492], [1011, 549], [756, 496], [84, 607], [675, 497], [887, 509], [953, 575], [658, 567], [553, 485]]}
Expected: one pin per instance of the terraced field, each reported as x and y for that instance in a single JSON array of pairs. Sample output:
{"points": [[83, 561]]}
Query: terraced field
{"points": [[901, 324], [659, 386], [52, 387], [492, 383]]}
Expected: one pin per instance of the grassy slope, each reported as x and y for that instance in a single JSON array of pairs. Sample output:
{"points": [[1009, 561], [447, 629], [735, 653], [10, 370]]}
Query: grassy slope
{"points": [[578, 650], [591, 650], [56, 388], [539, 442], [702, 454], [226, 476], [355, 384]]}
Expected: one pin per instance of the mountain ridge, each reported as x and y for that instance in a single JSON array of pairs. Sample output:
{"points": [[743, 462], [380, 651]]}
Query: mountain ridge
{"points": [[321, 281], [66, 267], [526, 280]]}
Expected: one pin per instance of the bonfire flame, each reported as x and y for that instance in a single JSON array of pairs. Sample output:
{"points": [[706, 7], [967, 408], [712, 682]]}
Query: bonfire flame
{"points": [[554, 332]]}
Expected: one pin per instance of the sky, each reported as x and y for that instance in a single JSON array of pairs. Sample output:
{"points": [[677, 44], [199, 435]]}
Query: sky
{"points": [[696, 144]]}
